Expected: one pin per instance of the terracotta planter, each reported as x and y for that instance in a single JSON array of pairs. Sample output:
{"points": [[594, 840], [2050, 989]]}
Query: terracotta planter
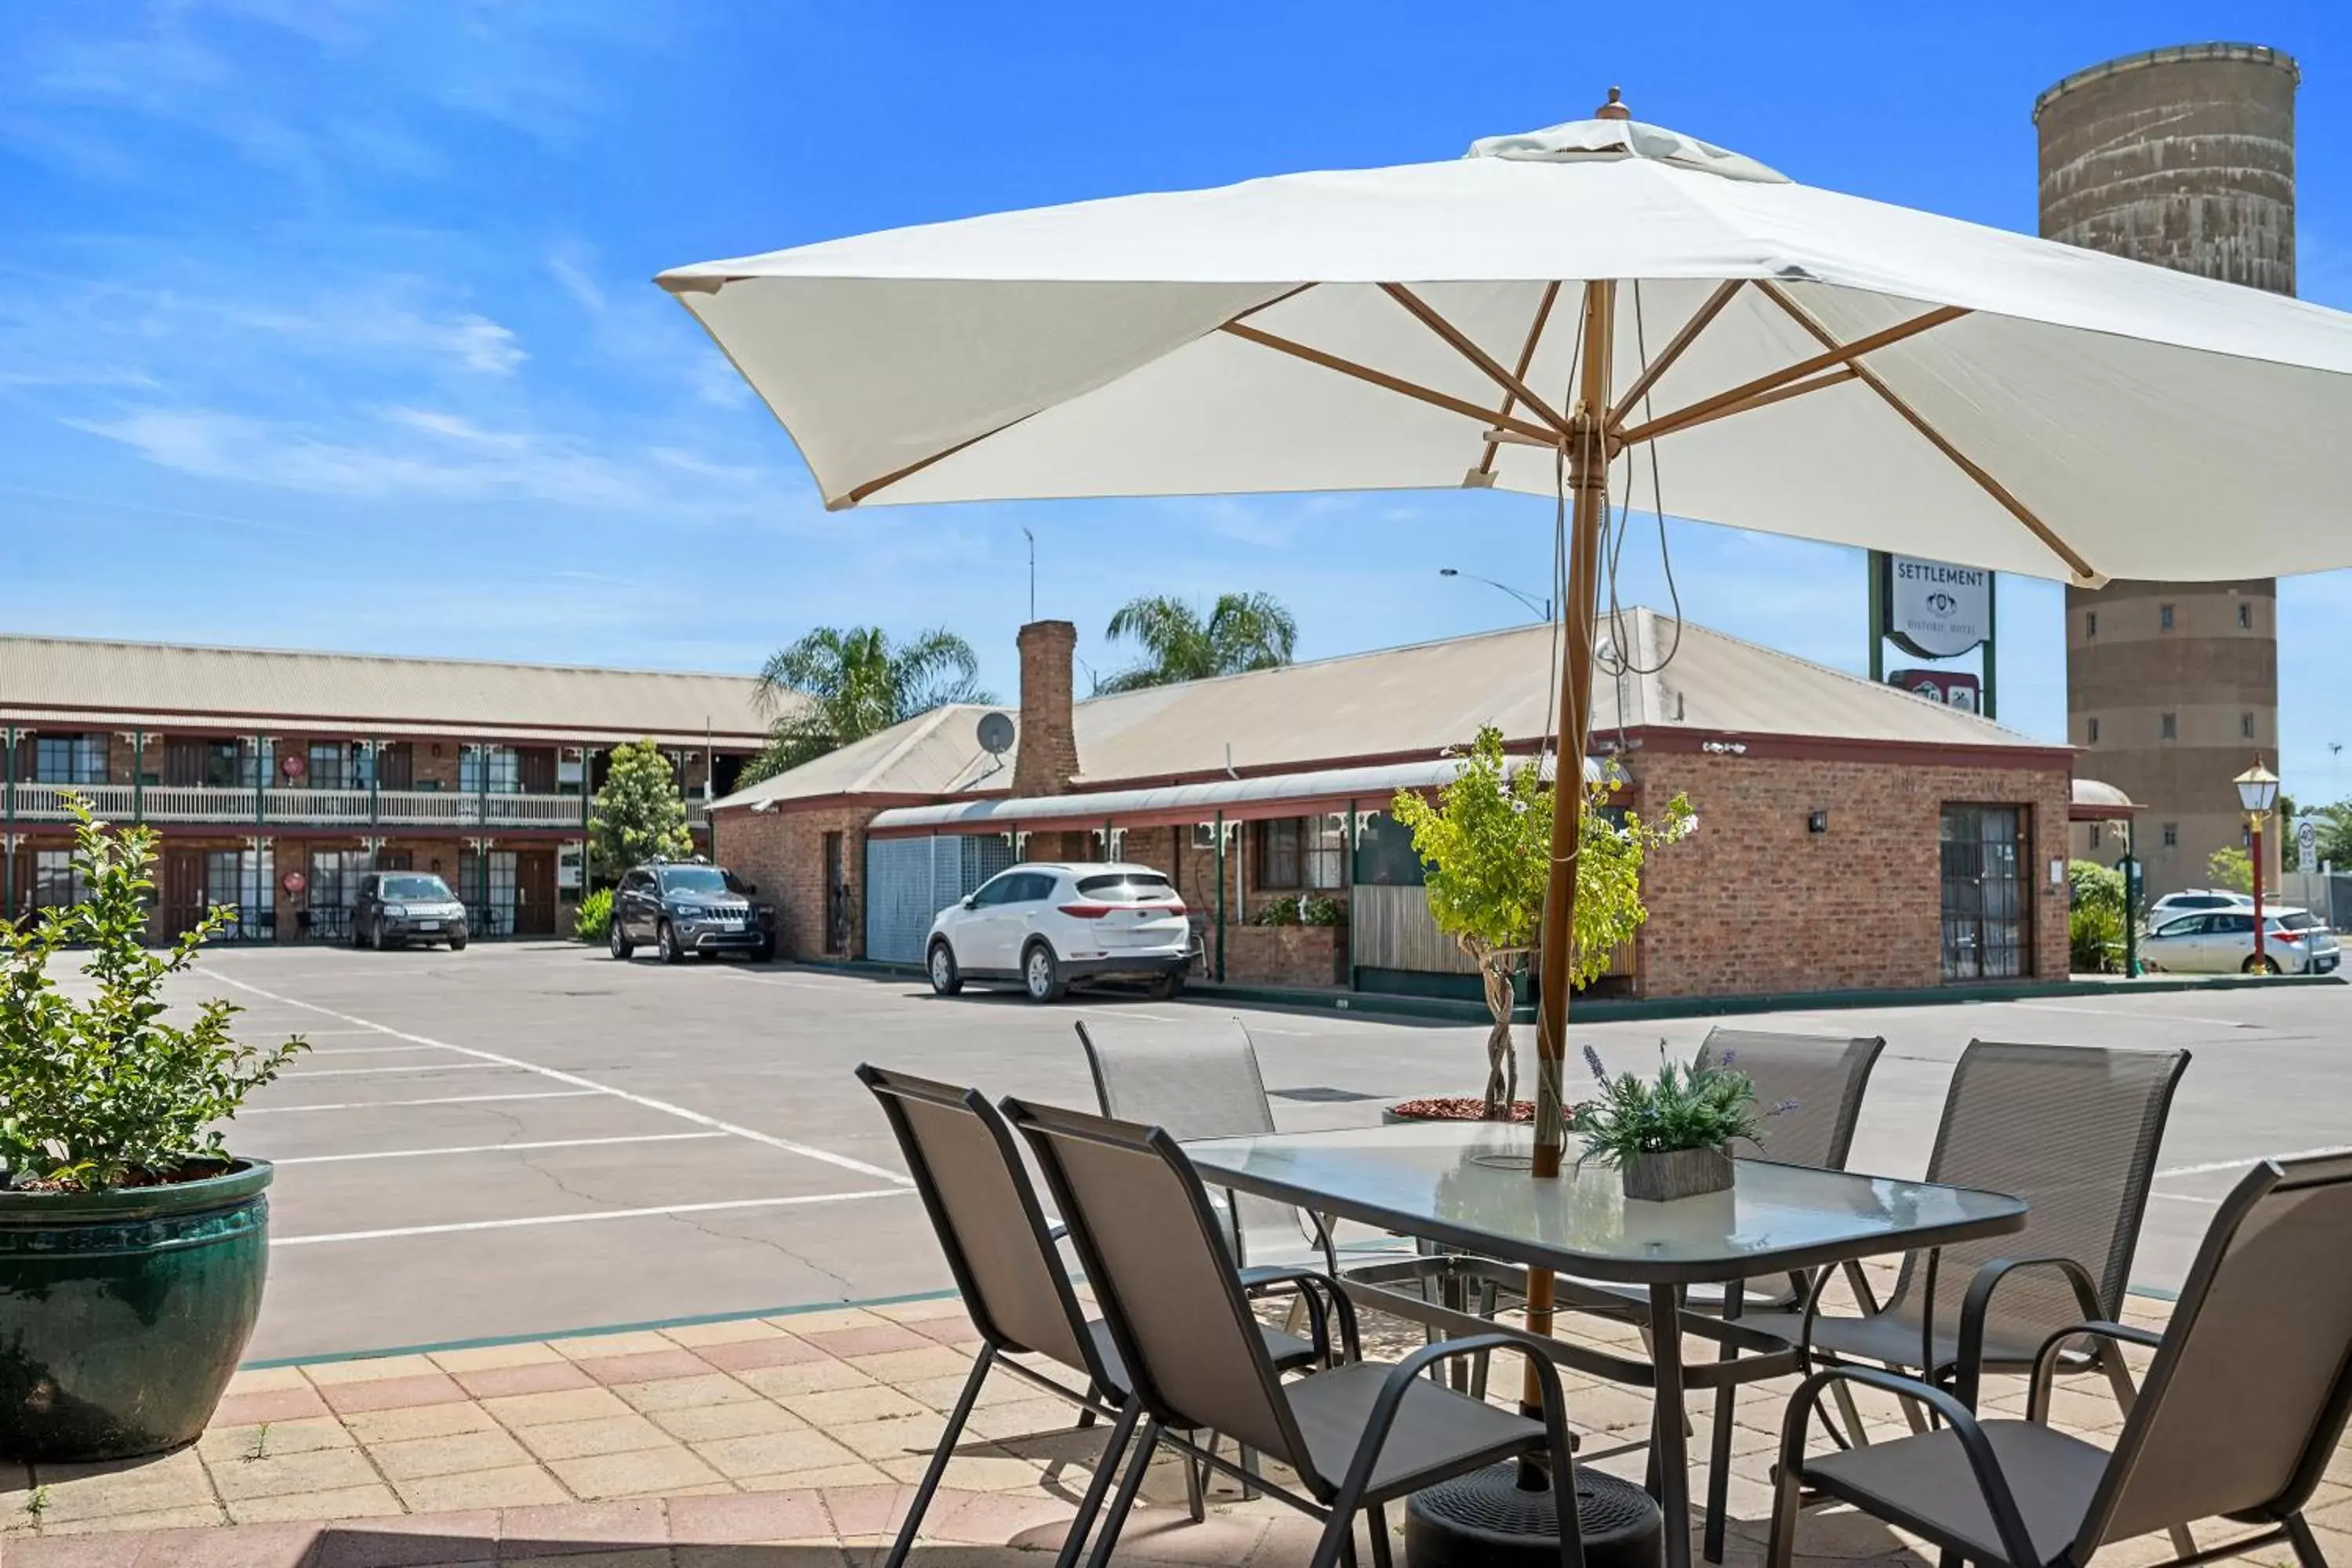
{"points": [[1666, 1174], [123, 1314]]}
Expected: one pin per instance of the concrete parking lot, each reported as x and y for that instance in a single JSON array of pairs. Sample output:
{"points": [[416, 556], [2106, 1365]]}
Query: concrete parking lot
{"points": [[531, 1139]]}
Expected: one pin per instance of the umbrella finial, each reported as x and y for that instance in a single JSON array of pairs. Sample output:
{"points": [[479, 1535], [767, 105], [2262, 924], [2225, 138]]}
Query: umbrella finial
{"points": [[1615, 108]]}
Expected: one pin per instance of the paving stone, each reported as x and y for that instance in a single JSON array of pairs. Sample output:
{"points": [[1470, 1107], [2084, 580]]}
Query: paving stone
{"points": [[743, 1355], [536, 1377], [727, 1332], [874, 1402], [394, 1393], [118, 1486], [414, 1541], [564, 1404], [188, 1516], [890, 1440], [487, 1358], [644, 1366], [222, 1443], [791, 1383], [339, 1502], [280, 1475], [234, 1546], [374, 1427], [422, 1457], [943, 1392], [648, 1472], [1031, 1418], [866, 1510], [551, 1531], [770, 1516], [1034, 1523], [267, 1380], [270, 1404], [506, 1486], [857, 1475], [903, 1367], [828, 1319], [743, 1419], [598, 1434], [864, 1341], [825, 1553], [772, 1453], [708, 1391], [369, 1369], [632, 1341], [981, 1471]]}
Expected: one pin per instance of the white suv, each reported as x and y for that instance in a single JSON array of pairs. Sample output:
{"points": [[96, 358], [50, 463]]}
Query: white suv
{"points": [[1046, 925]]}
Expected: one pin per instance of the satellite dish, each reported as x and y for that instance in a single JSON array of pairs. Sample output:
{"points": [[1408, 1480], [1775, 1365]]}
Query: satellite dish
{"points": [[995, 733]]}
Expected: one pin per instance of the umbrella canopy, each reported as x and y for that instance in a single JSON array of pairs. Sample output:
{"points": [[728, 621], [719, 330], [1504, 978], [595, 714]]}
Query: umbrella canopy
{"points": [[1806, 363]]}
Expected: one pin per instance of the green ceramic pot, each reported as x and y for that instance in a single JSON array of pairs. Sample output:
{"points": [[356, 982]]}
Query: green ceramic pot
{"points": [[123, 1314]]}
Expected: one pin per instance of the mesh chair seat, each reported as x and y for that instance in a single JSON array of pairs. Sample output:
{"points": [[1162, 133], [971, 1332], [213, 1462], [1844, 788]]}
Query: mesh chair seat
{"points": [[1437, 1433], [2051, 1475]]}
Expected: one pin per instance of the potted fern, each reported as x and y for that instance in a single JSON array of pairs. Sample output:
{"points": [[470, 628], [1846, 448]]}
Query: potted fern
{"points": [[1670, 1135], [133, 1243]]}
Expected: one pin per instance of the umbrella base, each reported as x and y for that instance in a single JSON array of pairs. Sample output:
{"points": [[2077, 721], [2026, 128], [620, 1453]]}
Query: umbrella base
{"points": [[1484, 1520]]}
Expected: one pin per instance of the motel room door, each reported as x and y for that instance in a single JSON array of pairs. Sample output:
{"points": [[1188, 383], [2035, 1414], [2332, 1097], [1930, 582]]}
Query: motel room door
{"points": [[534, 911], [1987, 913], [183, 889]]}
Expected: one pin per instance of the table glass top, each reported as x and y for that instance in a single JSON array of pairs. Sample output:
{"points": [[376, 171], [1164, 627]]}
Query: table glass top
{"points": [[1468, 1183]]}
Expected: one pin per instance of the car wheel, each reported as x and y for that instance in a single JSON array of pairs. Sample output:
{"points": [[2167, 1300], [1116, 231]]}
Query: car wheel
{"points": [[457, 943], [618, 944], [357, 938], [2266, 964], [764, 954], [666, 943], [946, 979], [1041, 973], [375, 936], [1166, 988]]}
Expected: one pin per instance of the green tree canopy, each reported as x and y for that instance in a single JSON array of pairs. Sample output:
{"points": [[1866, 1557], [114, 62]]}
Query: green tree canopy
{"points": [[1244, 631], [1486, 843], [842, 684], [640, 812], [2231, 866]]}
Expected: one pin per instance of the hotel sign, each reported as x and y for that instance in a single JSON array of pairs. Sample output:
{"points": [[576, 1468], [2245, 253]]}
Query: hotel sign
{"points": [[1934, 610]]}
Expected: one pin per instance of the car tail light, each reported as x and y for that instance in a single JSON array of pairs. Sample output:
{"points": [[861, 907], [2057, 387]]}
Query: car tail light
{"points": [[2282, 934], [1085, 911]]}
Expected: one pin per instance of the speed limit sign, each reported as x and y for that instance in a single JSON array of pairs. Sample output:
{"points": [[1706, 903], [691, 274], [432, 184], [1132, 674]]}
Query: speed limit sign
{"points": [[2306, 845]]}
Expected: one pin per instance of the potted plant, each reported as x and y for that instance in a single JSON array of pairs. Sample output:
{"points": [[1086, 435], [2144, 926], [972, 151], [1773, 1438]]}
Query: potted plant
{"points": [[1670, 1135], [132, 1245], [1486, 848]]}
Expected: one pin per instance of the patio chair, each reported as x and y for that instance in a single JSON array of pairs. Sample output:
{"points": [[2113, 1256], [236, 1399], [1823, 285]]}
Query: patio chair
{"points": [[2238, 1416], [2072, 1131], [1359, 1436], [1001, 1251]]}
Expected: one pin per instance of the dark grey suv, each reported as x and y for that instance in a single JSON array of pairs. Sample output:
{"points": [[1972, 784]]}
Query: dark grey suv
{"points": [[677, 907], [393, 909]]}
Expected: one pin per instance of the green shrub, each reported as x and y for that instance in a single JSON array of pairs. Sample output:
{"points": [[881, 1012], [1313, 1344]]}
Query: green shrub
{"points": [[2095, 939], [103, 1092], [1302, 912], [595, 920]]}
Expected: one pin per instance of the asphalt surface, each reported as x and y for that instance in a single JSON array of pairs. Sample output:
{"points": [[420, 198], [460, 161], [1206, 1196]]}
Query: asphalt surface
{"points": [[532, 1139]]}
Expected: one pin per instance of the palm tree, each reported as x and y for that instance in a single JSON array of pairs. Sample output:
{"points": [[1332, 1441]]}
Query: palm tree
{"points": [[1244, 631], [842, 684]]}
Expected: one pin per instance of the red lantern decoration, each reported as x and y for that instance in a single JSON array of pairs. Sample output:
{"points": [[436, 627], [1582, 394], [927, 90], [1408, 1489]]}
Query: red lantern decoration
{"points": [[293, 881]]}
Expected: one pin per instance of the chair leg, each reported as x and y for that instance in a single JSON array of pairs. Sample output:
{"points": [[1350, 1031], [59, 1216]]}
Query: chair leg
{"points": [[2307, 1547], [1488, 1303], [1196, 1483], [1123, 1503], [1376, 1519], [1338, 1547], [1788, 1495], [1249, 1467], [939, 1465], [1114, 1450], [1856, 1436]]}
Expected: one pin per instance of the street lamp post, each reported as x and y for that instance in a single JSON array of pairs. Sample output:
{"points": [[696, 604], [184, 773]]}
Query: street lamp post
{"points": [[1540, 606], [2257, 792]]}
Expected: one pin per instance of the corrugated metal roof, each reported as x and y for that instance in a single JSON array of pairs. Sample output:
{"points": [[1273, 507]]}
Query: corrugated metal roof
{"points": [[1417, 699], [57, 683]]}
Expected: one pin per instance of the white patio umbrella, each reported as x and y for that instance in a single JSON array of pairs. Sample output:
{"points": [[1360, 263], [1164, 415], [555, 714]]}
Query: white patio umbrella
{"points": [[1800, 363]]}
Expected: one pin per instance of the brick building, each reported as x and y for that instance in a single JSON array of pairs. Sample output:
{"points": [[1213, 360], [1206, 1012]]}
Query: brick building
{"points": [[1850, 834], [275, 778]]}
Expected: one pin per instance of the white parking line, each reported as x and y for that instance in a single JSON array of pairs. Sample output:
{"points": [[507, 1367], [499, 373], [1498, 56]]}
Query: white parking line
{"points": [[495, 1148], [365, 1050], [441, 1099], [377, 1072], [585, 1218], [2208, 1169], [2124, 1013], [494, 1058]]}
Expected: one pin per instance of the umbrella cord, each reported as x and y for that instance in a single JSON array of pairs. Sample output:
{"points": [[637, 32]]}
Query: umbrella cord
{"points": [[1623, 662]]}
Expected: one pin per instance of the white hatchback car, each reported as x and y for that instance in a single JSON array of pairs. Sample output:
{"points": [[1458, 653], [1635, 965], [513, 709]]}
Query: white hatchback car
{"points": [[2222, 941], [1044, 925]]}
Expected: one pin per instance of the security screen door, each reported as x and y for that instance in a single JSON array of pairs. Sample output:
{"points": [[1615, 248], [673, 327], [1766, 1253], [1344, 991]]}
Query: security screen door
{"points": [[1984, 893]]}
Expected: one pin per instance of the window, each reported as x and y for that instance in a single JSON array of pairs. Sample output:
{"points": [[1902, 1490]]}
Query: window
{"points": [[504, 771], [2172, 835], [2094, 731], [2169, 726], [2164, 617], [1127, 886], [1302, 852], [2094, 836], [232, 764], [69, 760], [2090, 625], [1278, 853], [244, 881], [491, 915], [339, 764], [335, 876], [57, 883], [2245, 617], [1384, 853]]}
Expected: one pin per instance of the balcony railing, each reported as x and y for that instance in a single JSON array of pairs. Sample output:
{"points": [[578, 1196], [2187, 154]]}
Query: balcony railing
{"points": [[242, 806]]}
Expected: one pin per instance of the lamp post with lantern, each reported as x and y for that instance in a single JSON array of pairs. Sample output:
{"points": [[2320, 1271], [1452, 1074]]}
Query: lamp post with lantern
{"points": [[2257, 792]]}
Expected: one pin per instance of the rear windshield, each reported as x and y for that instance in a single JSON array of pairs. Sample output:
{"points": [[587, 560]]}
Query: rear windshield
{"points": [[431, 888], [1127, 886], [2298, 921]]}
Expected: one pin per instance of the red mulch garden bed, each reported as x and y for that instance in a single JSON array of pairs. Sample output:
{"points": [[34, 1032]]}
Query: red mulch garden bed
{"points": [[1457, 1108]]}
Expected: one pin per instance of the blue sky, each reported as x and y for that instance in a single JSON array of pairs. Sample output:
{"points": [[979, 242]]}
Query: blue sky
{"points": [[327, 323]]}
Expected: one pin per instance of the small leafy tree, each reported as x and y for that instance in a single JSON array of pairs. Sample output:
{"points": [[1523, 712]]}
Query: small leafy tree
{"points": [[2094, 917], [104, 1092], [1485, 845], [2231, 866], [640, 812]]}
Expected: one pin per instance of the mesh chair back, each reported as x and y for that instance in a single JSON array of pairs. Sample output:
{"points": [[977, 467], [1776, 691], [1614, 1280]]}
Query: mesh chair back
{"points": [[1144, 1231], [2245, 1402], [2073, 1132], [1194, 1081], [1823, 1075], [969, 1175]]}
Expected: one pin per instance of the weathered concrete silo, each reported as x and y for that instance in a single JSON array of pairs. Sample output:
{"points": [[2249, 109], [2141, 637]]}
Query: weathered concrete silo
{"points": [[2183, 157]]}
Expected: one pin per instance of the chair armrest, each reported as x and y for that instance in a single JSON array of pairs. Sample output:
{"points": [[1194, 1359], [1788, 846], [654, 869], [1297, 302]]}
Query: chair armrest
{"points": [[1982, 1463], [2045, 1359], [1400, 1382], [1323, 1295], [1057, 1231], [1974, 1308]]}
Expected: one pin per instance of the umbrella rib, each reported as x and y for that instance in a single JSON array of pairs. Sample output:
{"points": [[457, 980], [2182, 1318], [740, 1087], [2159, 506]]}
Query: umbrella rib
{"points": [[1673, 348], [1486, 416], [1670, 424], [1847, 353], [1488, 366], [1917, 421], [1527, 358]]}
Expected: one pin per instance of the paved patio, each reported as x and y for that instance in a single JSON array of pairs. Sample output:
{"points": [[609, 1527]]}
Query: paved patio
{"points": [[786, 1442]]}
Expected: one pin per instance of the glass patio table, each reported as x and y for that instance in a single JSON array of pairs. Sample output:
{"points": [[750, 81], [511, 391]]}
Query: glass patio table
{"points": [[1466, 1184]]}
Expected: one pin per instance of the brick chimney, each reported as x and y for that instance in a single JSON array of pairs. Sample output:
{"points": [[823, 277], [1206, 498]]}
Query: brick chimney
{"points": [[1048, 755]]}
